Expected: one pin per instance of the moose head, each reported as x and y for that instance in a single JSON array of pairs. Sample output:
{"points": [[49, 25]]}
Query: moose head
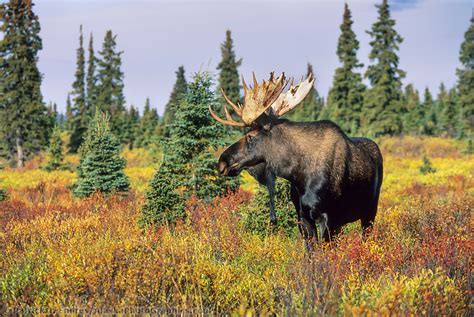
{"points": [[263, 105]]}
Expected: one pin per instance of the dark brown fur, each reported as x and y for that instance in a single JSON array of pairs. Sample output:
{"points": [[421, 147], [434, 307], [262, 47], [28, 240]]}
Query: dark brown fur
{"points": [[330, 173]]}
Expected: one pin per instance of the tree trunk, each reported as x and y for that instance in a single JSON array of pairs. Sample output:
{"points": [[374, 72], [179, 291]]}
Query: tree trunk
{"points": [[19, 150]]}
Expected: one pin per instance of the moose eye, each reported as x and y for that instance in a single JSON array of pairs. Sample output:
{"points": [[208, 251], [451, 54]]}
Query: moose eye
{"points": [[250, 138]]}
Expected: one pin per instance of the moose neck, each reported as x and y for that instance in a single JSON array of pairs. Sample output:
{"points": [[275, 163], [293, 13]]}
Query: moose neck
{"points": [[282, 153]]}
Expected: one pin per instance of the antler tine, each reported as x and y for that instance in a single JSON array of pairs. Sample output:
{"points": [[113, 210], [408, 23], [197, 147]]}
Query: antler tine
{"points": [[245, 85], [236, 108], [229, 121], [227, 114], [281, 85], [255, 84]]}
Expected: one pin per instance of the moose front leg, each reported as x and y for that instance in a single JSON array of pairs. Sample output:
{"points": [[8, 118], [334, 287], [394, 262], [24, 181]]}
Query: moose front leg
{"points": [[305, 223], [270, 177], [266, 177], [311, 201]]}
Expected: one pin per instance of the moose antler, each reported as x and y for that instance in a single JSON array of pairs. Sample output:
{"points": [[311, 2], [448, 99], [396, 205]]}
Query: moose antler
{"points": [[259, 98], [229, 120], [289, 100]]}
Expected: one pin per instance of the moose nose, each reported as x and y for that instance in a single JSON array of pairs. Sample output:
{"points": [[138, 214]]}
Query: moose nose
{"points": [[222, 167]]}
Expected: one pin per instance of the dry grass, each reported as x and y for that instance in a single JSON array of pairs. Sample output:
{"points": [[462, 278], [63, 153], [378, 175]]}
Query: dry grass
{"points": [[58, 251]]}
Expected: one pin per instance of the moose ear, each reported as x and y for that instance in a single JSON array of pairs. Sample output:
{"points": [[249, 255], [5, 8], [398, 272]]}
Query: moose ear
{"points": [[265, 122]]}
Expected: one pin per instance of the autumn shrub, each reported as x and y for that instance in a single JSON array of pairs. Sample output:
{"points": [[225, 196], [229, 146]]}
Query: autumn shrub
{"points": [[140, 157], [429, 293], [410, 146], [90, 253], [3, 192]]}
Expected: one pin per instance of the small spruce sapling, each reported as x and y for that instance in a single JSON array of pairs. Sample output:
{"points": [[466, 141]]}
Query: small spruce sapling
{"points": [[427, 167], [55, 151], [101, 166]]}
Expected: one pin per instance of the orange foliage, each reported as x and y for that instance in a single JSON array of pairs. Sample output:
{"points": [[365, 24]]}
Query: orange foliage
{"points": [[58, 252]]}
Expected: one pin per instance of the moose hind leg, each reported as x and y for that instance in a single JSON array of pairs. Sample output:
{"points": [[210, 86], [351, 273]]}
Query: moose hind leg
{"points": [[295, 198], [331, 233], [367, 220], [310, 236]]}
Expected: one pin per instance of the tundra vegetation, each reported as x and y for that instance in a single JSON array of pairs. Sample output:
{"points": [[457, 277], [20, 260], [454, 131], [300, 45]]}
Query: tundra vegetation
{"points": [[60, 251], [125, 209]]}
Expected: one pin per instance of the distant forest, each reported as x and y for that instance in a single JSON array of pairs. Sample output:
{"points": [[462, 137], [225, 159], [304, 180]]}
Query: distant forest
{"points": [[385, 107]]}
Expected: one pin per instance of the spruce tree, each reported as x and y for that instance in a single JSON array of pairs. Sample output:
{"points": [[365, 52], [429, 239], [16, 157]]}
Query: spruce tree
{"points": [[163, 202], [228, 73], [448, 115], [466, 84], [413, 118], [189, 163], [148, 125], [79, 107], [101, 167], [24, 123], [69, 115], [445, 112], [133, 119], [195, 136], [383, 102], [345, 99], [179, 91], [110, 97], [429, 121], [52, 112], [55, 151], [427, 166], [441, 99], [311, 106], [91, 78]]}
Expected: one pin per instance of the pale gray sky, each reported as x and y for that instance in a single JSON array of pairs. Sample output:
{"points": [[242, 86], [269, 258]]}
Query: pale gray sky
{"points": [[158, 36]]}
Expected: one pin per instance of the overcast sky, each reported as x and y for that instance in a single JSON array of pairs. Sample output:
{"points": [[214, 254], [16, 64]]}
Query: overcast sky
{"points": [[158, 36]]}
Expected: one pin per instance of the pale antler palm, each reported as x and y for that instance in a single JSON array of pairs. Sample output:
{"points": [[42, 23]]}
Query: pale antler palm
{"points": [[293, 97], [259, 98]]}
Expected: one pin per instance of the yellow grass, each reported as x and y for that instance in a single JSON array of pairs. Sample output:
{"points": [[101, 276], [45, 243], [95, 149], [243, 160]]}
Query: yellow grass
{"points": [[58, 251]]}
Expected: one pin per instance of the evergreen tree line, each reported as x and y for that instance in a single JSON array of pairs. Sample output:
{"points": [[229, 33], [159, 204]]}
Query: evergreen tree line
{"points": [[384, 107], [100, 87]]}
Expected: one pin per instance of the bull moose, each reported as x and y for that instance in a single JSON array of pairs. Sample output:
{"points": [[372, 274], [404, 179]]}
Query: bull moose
{"points": [[334, 179]]}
